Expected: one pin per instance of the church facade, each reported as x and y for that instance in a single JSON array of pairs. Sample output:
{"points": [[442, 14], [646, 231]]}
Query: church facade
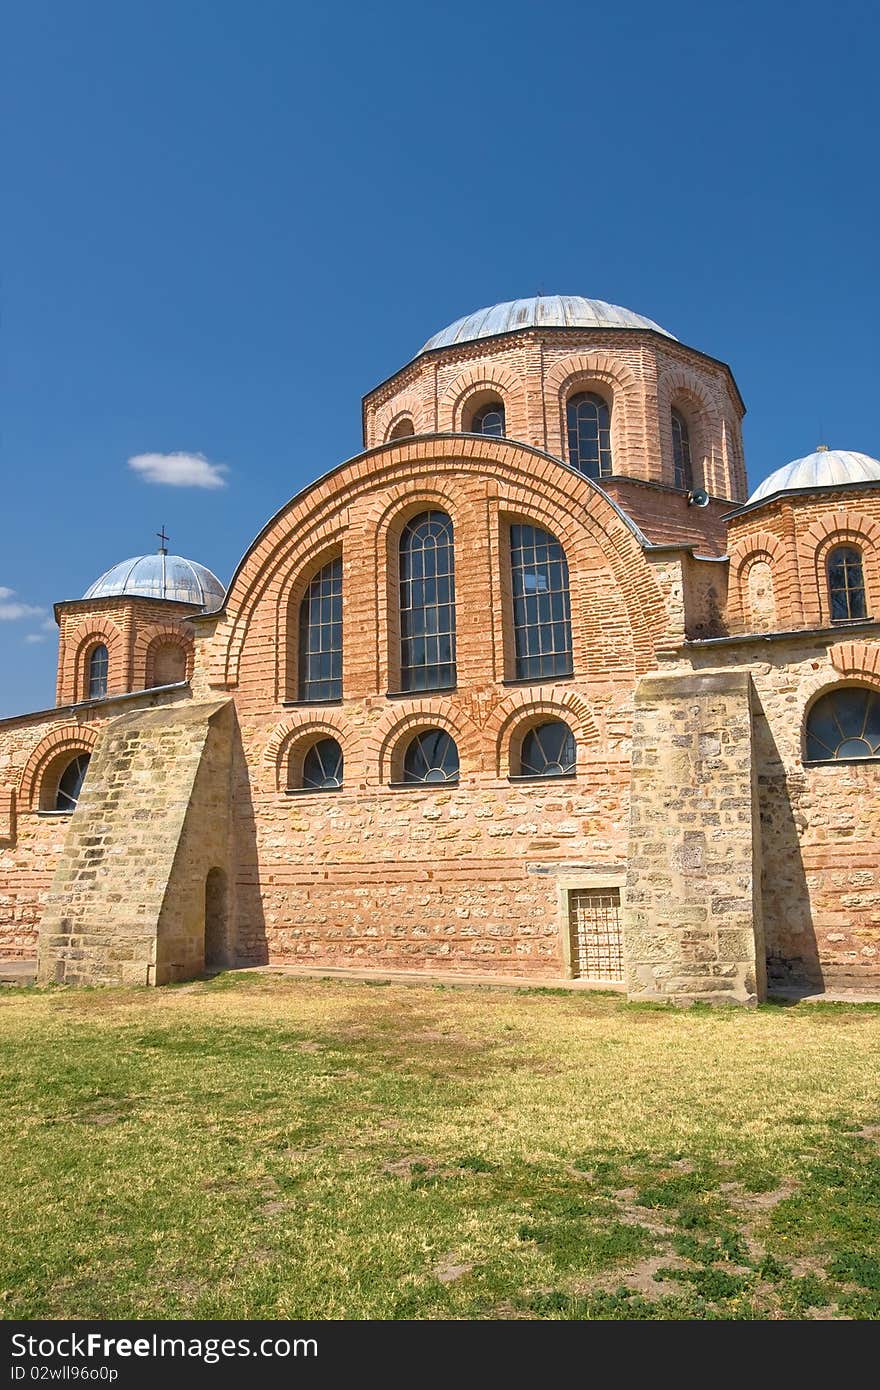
{"points": [[532, 687]]}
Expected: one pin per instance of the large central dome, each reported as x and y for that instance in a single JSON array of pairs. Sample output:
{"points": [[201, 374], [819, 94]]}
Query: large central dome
{"points": [[544, 311]]}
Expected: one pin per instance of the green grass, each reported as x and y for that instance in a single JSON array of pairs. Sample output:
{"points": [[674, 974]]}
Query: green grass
{"points": [[259, 1146]]}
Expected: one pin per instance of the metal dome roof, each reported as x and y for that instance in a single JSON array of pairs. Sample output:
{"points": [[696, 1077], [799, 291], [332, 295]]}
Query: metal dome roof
{"points": [[160, 576], [543, 311], [824, 468]]}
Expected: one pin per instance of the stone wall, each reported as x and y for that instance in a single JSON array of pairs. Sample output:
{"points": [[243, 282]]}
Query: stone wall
{"points": [[820, 823], [127, 902], [692, 916]]}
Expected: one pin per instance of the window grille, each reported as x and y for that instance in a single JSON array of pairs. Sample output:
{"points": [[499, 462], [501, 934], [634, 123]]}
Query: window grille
{"points": [[596, 938]]}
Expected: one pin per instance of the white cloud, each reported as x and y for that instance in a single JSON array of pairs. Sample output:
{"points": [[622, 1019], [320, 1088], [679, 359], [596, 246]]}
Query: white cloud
{"points": [[36, 637], [11, 608], [179, 470]]}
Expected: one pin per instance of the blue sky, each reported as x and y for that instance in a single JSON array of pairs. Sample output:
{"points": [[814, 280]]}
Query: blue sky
{"points": [[225, 221]]}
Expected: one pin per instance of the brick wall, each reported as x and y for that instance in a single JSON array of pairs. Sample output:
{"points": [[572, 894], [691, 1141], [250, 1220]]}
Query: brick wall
{"points": [[643, 376]]}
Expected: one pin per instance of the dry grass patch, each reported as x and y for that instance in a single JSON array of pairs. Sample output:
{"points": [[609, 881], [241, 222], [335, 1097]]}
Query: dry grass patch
{"points": [[258, 1146]]}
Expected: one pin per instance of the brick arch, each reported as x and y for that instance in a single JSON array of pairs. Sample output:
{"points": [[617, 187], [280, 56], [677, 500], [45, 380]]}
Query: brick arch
{"points": [[517, 713], [484, 377], [407, 403], [611, 379], [838, 528], [761, 545], [150, 639], [857, 660], [683, 391], [92, 633], [440, 466], [307, 728], [68, 739], [290, 592], [406, 719]]}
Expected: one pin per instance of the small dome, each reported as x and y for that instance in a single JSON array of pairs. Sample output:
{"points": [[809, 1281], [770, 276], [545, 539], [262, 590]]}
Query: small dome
{"points": [[544, 311], [824, 468], [160, 576]]}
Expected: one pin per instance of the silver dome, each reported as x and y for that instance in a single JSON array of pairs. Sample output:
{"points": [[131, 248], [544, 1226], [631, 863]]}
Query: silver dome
{"points": [[160, 576], [823, 468], [544, 311]]}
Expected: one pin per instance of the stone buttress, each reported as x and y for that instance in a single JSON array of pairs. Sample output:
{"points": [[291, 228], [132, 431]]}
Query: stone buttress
{"points": [[692, 916], [127, 904]]}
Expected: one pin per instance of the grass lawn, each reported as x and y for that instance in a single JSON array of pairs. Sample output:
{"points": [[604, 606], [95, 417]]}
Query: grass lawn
{"points": [[268, 1147]]}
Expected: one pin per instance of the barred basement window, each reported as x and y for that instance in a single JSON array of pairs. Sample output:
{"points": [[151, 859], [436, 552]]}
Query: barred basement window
{"points": [[589, 434], [541, 604], [845, 723], [427, 603], [320, 635], [99, 661], [681, 452], [846, 584], [595, 934]]}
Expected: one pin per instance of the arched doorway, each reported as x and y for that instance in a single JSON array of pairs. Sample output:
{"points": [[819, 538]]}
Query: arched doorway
{"points": [[215, 919]]}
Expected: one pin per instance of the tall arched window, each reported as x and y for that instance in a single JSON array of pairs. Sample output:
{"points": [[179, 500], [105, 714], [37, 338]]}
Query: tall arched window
{"points": [[320, 636], [431, 757], [541, 604], [99, 661], [589, 434], [845, 723], [489, 419], [427, 603], [548, 750], [70, 783], [681, 452], [846, 584]]}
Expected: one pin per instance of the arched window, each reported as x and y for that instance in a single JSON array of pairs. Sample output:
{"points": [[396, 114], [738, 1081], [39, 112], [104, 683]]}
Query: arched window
{"points": [[427, 603], [845, 723], [99, 661], [320, 636], [549, 750], [846, 584], [489, 419], [403, 429], [70, 783], [589, 434], [322, 765], [431, 757], [169, 664], [541, 604], [681, 453]]}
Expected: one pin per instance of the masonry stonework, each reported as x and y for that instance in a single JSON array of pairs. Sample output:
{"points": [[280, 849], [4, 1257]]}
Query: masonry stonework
{"points": [[166, 825]]}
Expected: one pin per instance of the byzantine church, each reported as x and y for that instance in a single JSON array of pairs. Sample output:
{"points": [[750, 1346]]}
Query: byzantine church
{"points": [[533, 688]]}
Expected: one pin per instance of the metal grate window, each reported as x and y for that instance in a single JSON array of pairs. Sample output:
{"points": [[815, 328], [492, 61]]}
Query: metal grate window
{"points": [[596, 941], [320, 636]]}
